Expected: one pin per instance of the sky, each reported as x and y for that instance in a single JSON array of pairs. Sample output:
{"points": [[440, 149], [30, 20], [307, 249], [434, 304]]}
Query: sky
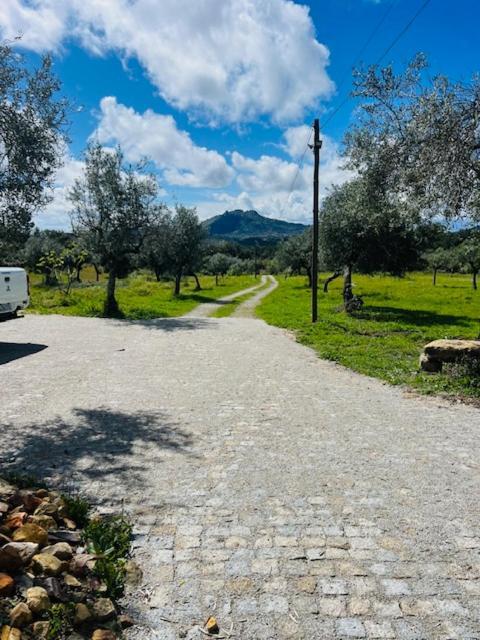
{"points": [[221, 94]]}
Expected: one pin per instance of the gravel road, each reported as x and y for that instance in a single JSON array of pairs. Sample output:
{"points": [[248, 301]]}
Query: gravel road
{"points": [[287, 496]]}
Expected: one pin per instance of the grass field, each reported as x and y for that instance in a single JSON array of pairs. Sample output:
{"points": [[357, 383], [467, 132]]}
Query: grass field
{"points": [[384, 340], [139, 296]]}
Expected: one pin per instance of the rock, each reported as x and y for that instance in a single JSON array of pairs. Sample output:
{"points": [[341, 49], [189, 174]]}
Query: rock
{"points": [[79, 563], [439, 351], [38, 600], [71, 581], [7, 585], [40, 629], [4, 539], [20, 615], [61, 550], [211, 625], [14, 555], [103, 609], [41, 493], [28, 500], [16, 520], [31, 533], [73, 537], [48, 565], [428, 365], [4, 507], [125, 621], [47, 509], [103, 634], [82, 614], [54, 589], [46, 522], [8, 633], [6, 490], [69, 523]]}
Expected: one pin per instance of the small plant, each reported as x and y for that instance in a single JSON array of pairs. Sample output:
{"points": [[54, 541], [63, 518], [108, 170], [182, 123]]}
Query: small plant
{"points": [[77, 509], [60, 617], [466, 370], [110, 539]]}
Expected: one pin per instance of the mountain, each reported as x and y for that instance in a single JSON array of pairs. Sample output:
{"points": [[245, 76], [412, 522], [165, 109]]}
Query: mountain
{"points": [[244, 226]]}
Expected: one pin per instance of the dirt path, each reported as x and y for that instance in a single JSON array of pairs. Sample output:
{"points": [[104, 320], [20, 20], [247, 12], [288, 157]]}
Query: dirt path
{"points": [[245, 310], [206, 309], [287, 496]]}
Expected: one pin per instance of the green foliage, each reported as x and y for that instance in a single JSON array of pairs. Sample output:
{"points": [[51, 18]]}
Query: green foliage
{"points": [[77, 509], [32, 120], [218, 264], [60, 617], [294, 255], [385, 339], [110, 538]]}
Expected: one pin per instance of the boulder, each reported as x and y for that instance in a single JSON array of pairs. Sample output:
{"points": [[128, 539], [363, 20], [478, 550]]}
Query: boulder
{"points": [[439, 351], [37, 600], [16, 519], [103, 634], [7, 585], [9, 633], [20, 615], [31, 533], [14, 555], [6, 490], [48, 565]]}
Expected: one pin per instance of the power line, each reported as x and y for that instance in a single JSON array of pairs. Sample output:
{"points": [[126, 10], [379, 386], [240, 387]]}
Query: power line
{"points": [[385, 52]]}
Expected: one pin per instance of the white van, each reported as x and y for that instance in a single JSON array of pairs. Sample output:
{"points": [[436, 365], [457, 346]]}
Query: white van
{"points": [[14, 291]]}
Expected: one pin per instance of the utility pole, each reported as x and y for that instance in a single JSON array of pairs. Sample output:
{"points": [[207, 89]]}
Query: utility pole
{"points": [[317, 144]]}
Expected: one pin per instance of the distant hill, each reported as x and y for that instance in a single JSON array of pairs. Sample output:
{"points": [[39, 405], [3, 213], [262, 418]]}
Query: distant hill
{"points": [[243, 226]]}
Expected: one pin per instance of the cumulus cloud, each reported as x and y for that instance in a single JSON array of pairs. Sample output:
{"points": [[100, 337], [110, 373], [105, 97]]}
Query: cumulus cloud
{"points": [[225, 60], [157, 137]]}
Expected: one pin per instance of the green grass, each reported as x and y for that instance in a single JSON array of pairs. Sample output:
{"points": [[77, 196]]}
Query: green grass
{"points": [[384, 340], [140, 297], [227, 308]]}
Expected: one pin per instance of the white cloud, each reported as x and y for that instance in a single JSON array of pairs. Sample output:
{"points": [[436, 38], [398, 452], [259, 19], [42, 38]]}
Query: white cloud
{"points": [[157, 137], [228, 60], [56, 214]]}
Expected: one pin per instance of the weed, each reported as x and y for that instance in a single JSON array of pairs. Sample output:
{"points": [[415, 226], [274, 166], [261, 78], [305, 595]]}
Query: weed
{"points": [[60, 617], [23, 480], [77, 509]]}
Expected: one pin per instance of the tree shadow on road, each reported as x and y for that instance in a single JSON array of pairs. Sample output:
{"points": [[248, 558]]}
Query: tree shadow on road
{"points": [[13, 351], [185, 323], [95, 446]]}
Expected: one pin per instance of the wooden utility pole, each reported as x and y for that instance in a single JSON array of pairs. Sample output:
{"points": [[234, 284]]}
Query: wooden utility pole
{"points": [[317, 144]]}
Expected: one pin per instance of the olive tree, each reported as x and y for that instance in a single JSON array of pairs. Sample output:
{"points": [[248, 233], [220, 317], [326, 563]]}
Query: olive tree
{"points": [[362, 228], [218, 265], [115, 203], [295, 255], [422, 136], [185, 245], [32, 120], [469, 256]]}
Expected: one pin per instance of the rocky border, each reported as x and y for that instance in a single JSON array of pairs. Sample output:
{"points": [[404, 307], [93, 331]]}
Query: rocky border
{"points": [[50, 584]]}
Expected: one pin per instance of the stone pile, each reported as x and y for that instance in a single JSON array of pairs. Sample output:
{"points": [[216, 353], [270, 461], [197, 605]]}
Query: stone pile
{"points": [[43, 563]]}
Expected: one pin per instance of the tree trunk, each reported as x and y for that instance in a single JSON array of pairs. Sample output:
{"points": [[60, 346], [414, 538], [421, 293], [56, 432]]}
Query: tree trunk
{"points": [[216, 279], [434, 276], [309, 276], [474, 280], [77, 278], [157, 274], [347, 285], [178, 280], [97, 272], [110, 308], [335, 275], [198, 286]]}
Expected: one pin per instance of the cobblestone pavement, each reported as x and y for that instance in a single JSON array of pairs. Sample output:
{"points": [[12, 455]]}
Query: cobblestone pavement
{"points": [[285, 495]]}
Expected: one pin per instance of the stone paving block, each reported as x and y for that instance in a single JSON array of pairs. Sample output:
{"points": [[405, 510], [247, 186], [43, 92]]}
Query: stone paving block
{"points": [[334, 607], [379, 629], [271, 603], [395, 587], [350, 628]]}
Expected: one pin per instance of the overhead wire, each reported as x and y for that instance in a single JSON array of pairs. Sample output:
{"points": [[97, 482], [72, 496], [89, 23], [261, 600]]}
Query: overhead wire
{"points": [[398, 37]]}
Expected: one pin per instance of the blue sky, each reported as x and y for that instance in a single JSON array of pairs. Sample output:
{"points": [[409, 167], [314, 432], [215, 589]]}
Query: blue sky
{"points": [[220, 93]]}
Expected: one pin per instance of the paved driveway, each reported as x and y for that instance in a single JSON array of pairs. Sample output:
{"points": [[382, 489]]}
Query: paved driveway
{"points": [[287, 496]]}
